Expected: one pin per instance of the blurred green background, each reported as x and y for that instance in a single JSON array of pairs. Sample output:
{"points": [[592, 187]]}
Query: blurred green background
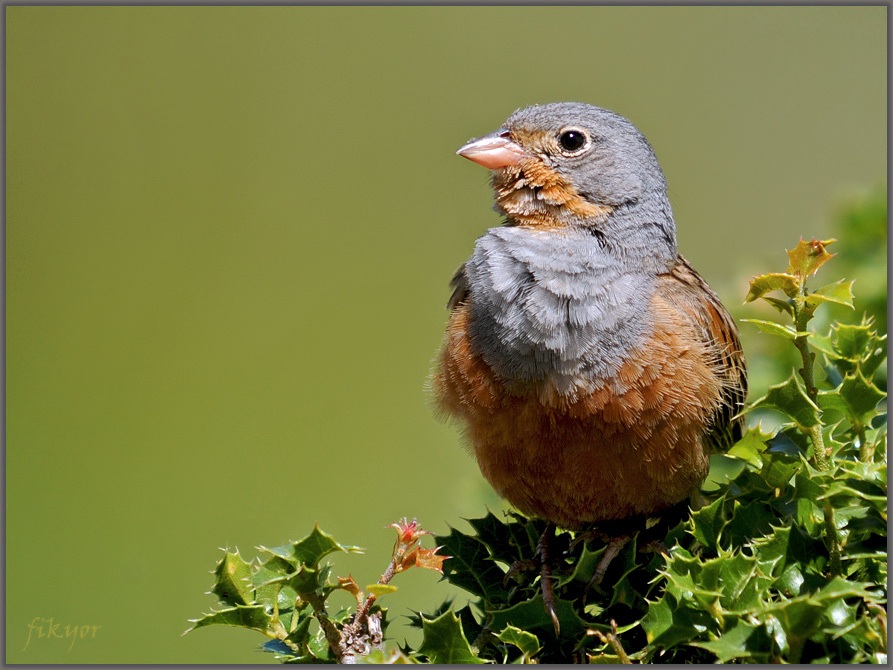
{"points": [[229, 236]]}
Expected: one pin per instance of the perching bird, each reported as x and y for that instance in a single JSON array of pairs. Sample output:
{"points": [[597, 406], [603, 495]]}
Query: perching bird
{"points": [[592, 368]]}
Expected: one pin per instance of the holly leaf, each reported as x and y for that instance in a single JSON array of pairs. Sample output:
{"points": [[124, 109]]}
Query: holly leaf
{"points": [[526, 642], [781, 547], [271, 570], [584, 566], [749, 519], [852, 347], [306, 580], [772, 328], [850, 341], [802, 616], [470, 567], [743, 580], [282, 558], [774, 281], [856, 398], [874, 356], [531, 615], [444, 641], [778, 470], [313, 548], [622, 590], [669, 622], [688, 578], [823, 344], [807, 257], [708, 522], [233, 584], [298, 642], [861, 396], [791, 400], [254, 617], [508, 541], [788, 441], [750, 447], [779, 304], [840, 292], [742, 640]]}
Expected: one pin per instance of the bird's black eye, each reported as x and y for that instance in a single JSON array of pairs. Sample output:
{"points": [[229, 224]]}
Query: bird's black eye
{"points": [[573, 140]]}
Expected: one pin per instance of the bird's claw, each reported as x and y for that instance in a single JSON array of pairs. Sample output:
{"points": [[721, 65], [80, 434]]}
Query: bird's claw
{"points": [[587, 536], [615, 544], [655, 547], [519, 566]]}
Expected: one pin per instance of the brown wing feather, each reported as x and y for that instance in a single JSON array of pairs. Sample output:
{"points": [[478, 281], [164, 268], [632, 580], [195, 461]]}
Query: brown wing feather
{"points": [[718, 329], [459, 284]]}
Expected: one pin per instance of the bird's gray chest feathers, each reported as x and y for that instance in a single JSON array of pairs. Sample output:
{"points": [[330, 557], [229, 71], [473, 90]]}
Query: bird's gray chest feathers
{"points": [[553, 309]]}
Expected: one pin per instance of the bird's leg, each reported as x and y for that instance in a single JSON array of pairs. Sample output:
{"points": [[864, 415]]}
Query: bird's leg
{"points": [[541, 560], [546, 579]]}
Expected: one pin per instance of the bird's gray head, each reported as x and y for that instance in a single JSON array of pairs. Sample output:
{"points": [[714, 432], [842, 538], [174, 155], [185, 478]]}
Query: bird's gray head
{"points": [[575, 165]]}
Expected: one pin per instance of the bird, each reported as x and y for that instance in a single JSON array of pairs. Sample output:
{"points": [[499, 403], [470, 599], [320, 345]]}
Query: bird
{"points": [[590, 368]]}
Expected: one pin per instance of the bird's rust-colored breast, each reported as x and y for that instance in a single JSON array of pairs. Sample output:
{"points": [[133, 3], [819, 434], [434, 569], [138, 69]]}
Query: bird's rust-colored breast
{"points": [[633, 445]]}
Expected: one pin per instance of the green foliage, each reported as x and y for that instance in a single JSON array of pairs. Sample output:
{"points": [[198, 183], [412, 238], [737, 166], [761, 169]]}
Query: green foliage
{"points": [[444, 641], [785, 559], [283, 595], [860, 225]]}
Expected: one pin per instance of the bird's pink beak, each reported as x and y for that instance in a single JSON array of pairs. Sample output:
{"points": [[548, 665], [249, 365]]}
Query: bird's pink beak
{"points": [[493, 151]]}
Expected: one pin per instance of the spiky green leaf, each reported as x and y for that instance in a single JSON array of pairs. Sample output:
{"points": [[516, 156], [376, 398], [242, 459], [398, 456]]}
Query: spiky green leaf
{"points": [[742, 641], [523, 640], [254, 617], [807, 257], [444, 641], [840, 292], [233, 580], [531, 615], [760, 286], [790, 399], [313, 548], [470, 566], [772, 328]]}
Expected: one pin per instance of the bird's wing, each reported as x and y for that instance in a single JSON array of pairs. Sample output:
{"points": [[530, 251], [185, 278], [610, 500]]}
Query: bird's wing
{"points": [[718, 330], [459, 284]]}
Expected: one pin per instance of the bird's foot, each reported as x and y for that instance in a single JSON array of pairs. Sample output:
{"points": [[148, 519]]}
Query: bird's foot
{"points": [[589, 535], [612, 548], [655, 547], [519, 566]]}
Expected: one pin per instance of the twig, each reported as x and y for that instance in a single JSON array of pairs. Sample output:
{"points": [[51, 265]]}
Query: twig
{"points": [[333, 635], [833, 541], [866, 451], [802, 315], [363, 610], [613, 640]]}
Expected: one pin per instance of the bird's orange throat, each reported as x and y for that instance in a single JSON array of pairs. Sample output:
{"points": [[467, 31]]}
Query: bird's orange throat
{"points": [[533, 194]]}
